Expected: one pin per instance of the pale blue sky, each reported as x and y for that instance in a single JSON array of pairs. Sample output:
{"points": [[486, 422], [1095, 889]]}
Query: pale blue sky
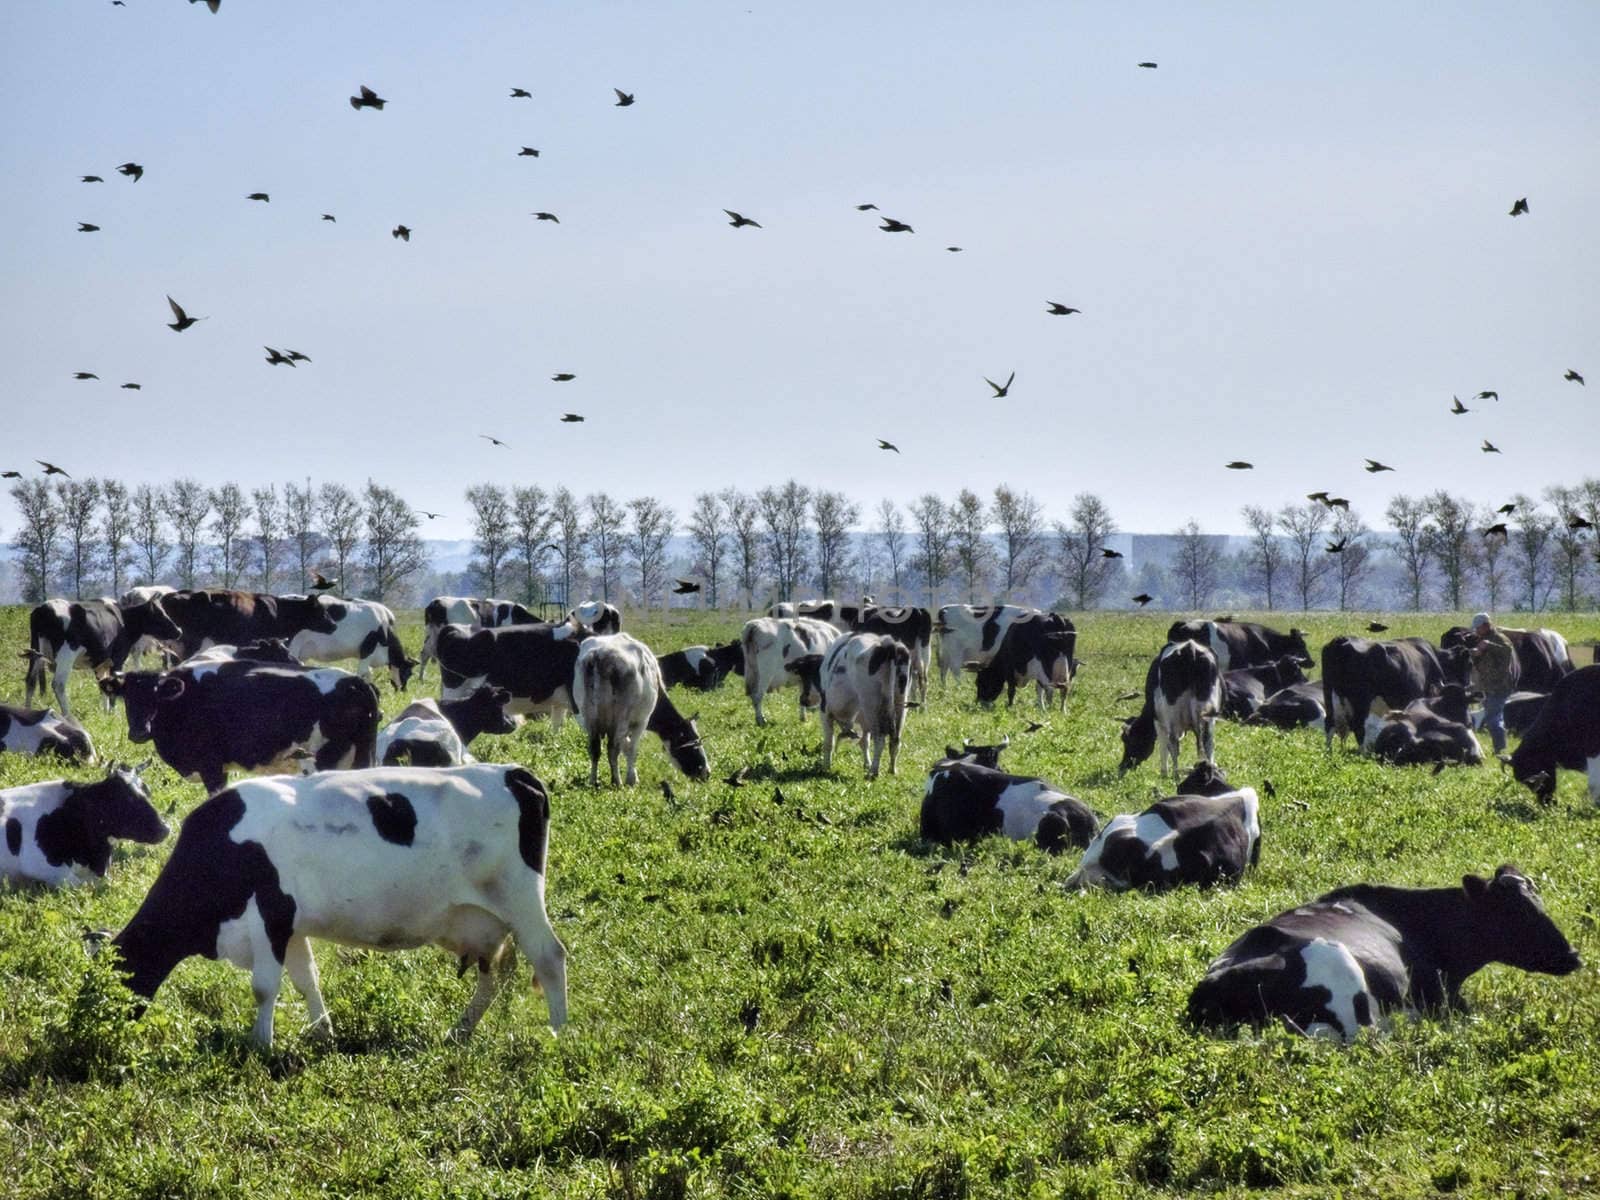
{"points": [[1290, 244]]}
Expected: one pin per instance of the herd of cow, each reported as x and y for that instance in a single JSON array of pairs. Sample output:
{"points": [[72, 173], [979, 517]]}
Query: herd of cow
{"points": [[400, 838]]}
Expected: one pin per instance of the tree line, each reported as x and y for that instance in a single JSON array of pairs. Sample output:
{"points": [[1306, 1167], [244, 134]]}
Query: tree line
{"points": [[744, 549]]}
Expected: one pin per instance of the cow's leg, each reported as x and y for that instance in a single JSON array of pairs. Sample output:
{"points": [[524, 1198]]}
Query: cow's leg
{"points": [[594, 758], [827, 739], [535, 938], [635, 736], [557, 716], [613, 750], [482, 997], [66, 659], [877, 752], [301, 965], [1205, 739]]}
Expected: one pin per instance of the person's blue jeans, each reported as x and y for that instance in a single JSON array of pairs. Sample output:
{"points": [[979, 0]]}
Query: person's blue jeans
{"points": [[1494, 719]]}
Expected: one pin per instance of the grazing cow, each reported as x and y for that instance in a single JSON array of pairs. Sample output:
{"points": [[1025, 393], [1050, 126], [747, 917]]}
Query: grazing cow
{"points": [[968, 634], [598, 616], [1188, 838], [1567, 734], [1521, 711], [436, 733], [984, 756], [1182, 693], [363, 630], [146, 645], [768, 643], [1245, 689], [1239, 644], [964, 800], [97, 634], [534, 663], [912, 627], [1299, 704], [59, 833], [220, 616], [1357, 672], [1332, 966], [1434, 730], [1039, 650], [39, 731], [384, 859], [618, 693], [862, 680], [1541, 655], [253, 716], [468, 611], [701, 667]]}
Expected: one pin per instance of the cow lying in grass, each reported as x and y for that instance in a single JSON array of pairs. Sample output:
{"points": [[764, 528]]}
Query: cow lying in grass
{"points": [[964, 800], [59, 832], [40, 731]]}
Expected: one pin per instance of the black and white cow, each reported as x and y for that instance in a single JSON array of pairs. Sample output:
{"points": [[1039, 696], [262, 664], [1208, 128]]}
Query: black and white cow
{"points": [[1039, 651], [1245, 689], [597, 616], [436, 733], [471, 612], [862, 681], [984, 756], [618, 694], [701, 667], [363, 630], [1542, 655], [383, 859], [222, 616], [146, 645], [39, 731], [534, 663], [1182, 694], [59, 833], [1357, 672], [262, 650], [1293, 707], [768, 644], [964, 800], [253, 716], [1427, 731], [969, 634], [1196, 839], [1336, 964], [1239, 644], [96, 634], [1566, 735], [911, 627], [842, 617]]}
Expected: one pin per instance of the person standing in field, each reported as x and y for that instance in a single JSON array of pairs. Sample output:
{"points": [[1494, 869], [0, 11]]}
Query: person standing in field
{"points": [[1494, 673]]}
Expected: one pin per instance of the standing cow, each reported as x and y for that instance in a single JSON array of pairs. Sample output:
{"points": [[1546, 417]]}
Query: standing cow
{"points": [[97, 634], [618, 693], [768, 644], [861, 680]]}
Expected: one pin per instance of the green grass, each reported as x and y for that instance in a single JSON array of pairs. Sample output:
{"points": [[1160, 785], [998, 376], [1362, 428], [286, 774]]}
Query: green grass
{"points": [[922, 1023]]}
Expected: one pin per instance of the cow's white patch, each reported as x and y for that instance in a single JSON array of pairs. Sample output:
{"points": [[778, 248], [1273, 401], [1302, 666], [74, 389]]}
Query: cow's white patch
{"points": [[1158, 838], [1330, 965], [1022, 806], [1090, 873]]}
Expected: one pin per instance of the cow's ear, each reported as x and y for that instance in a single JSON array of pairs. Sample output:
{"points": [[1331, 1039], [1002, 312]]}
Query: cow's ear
{"points": [[1475, 886], [170, 688]]}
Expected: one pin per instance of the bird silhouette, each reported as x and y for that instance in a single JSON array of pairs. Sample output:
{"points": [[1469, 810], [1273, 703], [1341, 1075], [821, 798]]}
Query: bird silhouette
{"points": [[1457, 407], [548, 216], [1149, 66], [213, 5], [521, 94], [685, 587], [1489, 447], [739, 219], [1577, 524], [403, 232], [570, 418], [1338, 502], [1033, 727], [51, 468], [432, 516], [1495, 396], [1058, 309], [1497, 528], [1337, 547], [527, 152], [890, 225], [563, 377], [133, 387], [91, 179], [1374, 466], [1240, 465], [737, 778], [10, 474], [132, 169], [321, 583], [1108, 552], [330, 217], [998, 390], [866, 208], [261, 196], [277, 358], [623, 98], [1319, 497], [184, 320], [953, 249], [1505, 510], [85, 227], [1377, 627], [1573, 377], [367, 99], [495, 440], [1519, 207], [84, 375], [296, 356], [883, 445], [1143, 598]]}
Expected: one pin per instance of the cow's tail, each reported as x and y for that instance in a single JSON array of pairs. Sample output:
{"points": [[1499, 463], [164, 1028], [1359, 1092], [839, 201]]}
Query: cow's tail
{"points": [[368, 717], [34, 675]]}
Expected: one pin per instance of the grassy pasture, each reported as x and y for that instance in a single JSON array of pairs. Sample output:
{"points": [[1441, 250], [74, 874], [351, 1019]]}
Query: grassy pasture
{"points": [[803, 1000]]}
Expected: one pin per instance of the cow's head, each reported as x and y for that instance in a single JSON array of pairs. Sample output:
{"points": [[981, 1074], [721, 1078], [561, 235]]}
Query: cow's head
{"points": [[1207, 779], [1457, 664], [1138, 741], [683, 743], [482, 712], [1509, 924], [1299, 651], [119, 807], [307, 613], [807, 668], [143, 694], [67, 739], [151, 620], [983, 756], [400, 672], [1452, 700], [1288, 670]]}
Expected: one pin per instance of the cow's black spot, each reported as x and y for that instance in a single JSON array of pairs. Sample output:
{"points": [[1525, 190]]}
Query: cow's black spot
{"points": [[533, 825], [393, 818], [14, 835], [370, 643]]}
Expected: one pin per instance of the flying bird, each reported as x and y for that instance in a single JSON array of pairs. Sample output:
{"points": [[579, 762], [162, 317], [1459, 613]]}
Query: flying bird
{"points": [[1108, 552], [685, 587], [1489, 447], [1143, 598], [738, 219], [1058, 309], [213, 5], [890, 225], [84, 375], [403, 232], [1338, 502], [183, 321], [51, 468], [132, 169], [1377, 627], [1240, 465], [1149, 66], [432, 516], [133, 387], [563, 377], [85, 227], [261, 196], [1499, 528], [495, 440], [1374, 466], [1505, 510], [527, 152], [570, 418], [321, 583], [1337, 547], [623, 98], [544, 216], [91, 179], [277, 358], [330, 217], [1495, 396], [10, 474], [953, 249], [1577, 523], [1519, 207], [1319, 497], [521, 94], [866, 208], [1457, 407], [883, 445], [998, 390], [367, 99], [296, 356], [1574, 377]]}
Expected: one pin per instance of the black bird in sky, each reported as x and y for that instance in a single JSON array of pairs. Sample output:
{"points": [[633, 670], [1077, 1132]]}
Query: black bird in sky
{"points": [[1240, 465], [527, 152], [1519, 207], [890, 225], [1489, 447], [1338, 502], [1374, 466], [547, 216], [84, 375], [1457, 407], [1495, 396], [570, 418], [1337, 547], [432, 516], [1505, 510], [1499, 528], [685, 587], [330, 217], [321, 583], [91, 179], [998, 390], [866, 208], [296, 356], [883, 445], [133, 387], [213, 5], [1377, 627], [521, 94], [1149, 66], [739, 219], [623, 98], [953, 249], [495, 440], [367, 99], [1578, 524], [85, 227], [51, 468], [1319, 497], [1108, 552], [1573, 377], [132, 169], [1143, 598], [563, 377], [261, 196], [403, 232], [183, 319], [10, 474], [1058, 309], [277, 358]]}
